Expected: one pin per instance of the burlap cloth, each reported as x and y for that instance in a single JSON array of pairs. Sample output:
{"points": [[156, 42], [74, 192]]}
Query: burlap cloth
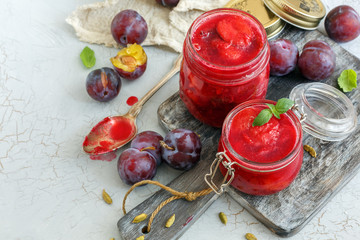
{"points": [[167, 26]]}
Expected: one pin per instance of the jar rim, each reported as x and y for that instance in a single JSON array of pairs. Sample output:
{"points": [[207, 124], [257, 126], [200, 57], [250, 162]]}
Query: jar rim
{"points": [[249, 164], [224, 67], [330, 114]]}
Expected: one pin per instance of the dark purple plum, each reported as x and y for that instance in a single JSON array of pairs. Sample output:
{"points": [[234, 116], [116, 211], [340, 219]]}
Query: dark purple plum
{"points": [[103, 84], [129, 27], [283, 57], [135, 165], [168, 3], [317, 60], [342, 24], [148, 141], [182, 149]]}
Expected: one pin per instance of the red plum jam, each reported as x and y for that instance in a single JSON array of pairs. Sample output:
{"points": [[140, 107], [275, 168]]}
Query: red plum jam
{"points": [[226, 62], [268, 157]]}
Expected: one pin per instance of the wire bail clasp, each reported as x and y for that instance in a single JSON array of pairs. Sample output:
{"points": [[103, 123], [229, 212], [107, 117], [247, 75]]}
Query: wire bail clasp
{"points": [[221, 157], [300, 111]]}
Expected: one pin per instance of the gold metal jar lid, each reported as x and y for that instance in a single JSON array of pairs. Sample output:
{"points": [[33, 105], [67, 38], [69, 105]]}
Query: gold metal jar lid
{"points": [[272, 23], [305, 14]]}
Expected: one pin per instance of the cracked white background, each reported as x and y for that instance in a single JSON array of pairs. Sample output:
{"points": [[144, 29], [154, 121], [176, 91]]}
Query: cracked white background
{"points": [[50, 189]]}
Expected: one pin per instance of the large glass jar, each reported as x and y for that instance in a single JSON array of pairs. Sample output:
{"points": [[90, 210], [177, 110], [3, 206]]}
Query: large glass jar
{"points": [[226, 62], [268, 157]]}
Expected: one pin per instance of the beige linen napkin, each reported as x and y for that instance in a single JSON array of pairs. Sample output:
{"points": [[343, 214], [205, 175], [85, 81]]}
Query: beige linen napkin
{"points": [[166, 26]]}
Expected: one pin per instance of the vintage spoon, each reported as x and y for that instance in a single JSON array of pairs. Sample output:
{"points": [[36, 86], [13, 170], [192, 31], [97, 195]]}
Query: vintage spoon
{"points": [[114, 132]]}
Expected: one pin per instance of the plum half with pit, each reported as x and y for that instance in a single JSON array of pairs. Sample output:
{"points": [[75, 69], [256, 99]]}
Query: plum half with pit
{"points": [[130, 62], [103, 84], [129, 27], [317, 60], [284, 55], [342, 24], [181, 149]]}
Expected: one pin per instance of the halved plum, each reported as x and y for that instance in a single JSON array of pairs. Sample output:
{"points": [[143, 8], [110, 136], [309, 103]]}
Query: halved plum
{"points": [[130, 62]]}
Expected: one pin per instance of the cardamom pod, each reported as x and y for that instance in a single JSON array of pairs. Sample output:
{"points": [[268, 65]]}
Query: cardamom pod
{"points": [[140, 238], [139, 218], [223, 217], [310, 150], [170, 221], [250, 236], [106, 197]]}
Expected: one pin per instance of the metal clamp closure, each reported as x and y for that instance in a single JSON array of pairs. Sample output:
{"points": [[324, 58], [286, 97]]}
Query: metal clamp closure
{"points": [[301, 112], [221, 157]]}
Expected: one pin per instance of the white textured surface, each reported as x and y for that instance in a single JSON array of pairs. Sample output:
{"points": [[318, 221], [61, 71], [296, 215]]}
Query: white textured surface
{"points": [[49, 188]]}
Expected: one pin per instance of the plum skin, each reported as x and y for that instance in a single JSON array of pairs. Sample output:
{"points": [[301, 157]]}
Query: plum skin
{"points": [[135, 165], [342, 24], [169, 3], [146, 139], [103, 84], [283, 57], [185, 149], [128, 27], [317, 60], [138, 72]]}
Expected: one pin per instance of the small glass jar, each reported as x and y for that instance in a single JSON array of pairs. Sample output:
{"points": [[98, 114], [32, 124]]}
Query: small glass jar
{"points": [[209, 89], [262, 177], [320, 109]]}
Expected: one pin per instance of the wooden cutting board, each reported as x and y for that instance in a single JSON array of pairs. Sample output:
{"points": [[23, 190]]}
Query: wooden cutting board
{"points": [[284, 213]]}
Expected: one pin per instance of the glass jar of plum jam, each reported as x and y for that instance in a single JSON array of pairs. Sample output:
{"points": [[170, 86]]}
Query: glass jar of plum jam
{"points": [[226, 62], [262, 160], [268, 157]]}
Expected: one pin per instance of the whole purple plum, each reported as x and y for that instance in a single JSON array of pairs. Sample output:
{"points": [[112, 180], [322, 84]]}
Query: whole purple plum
{"points": [[103, 84], [317, 60], [181, 149], [283, 57], [135, 165], [149, 141], [129, 27], [342, 24], [168, 3]]}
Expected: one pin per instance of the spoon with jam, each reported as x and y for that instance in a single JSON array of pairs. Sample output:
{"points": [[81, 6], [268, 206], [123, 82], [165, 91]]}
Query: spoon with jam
{"points": [[114, 132]]}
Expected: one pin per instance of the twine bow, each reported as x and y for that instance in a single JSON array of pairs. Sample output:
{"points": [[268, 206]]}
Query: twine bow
{"points": [[189, 196]]}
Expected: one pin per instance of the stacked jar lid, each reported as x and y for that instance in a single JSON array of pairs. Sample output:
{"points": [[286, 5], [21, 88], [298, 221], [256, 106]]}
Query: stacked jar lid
{"points": [[274, 14]]}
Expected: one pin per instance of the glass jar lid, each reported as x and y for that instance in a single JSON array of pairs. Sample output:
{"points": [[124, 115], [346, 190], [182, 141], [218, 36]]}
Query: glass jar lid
{"points": [[304, 14], [273, 24], [330, 115]]}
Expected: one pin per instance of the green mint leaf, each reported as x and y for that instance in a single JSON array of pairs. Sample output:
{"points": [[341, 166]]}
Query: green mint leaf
{"points": [[283, 105], [347, 80], [263, 117], [88, 57], [273, 110]]}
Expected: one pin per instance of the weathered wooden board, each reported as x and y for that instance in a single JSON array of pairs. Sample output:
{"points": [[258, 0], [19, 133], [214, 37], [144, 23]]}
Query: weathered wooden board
{"points": [[284, 213]]}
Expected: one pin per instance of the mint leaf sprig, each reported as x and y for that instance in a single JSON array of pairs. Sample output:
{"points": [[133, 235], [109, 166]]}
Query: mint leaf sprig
{"points": [[282, 106], [347, 80], [88, 57]]}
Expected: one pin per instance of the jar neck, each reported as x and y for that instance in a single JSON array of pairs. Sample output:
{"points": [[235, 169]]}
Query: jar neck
{"points": [[225, 74], [259, 166]]}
